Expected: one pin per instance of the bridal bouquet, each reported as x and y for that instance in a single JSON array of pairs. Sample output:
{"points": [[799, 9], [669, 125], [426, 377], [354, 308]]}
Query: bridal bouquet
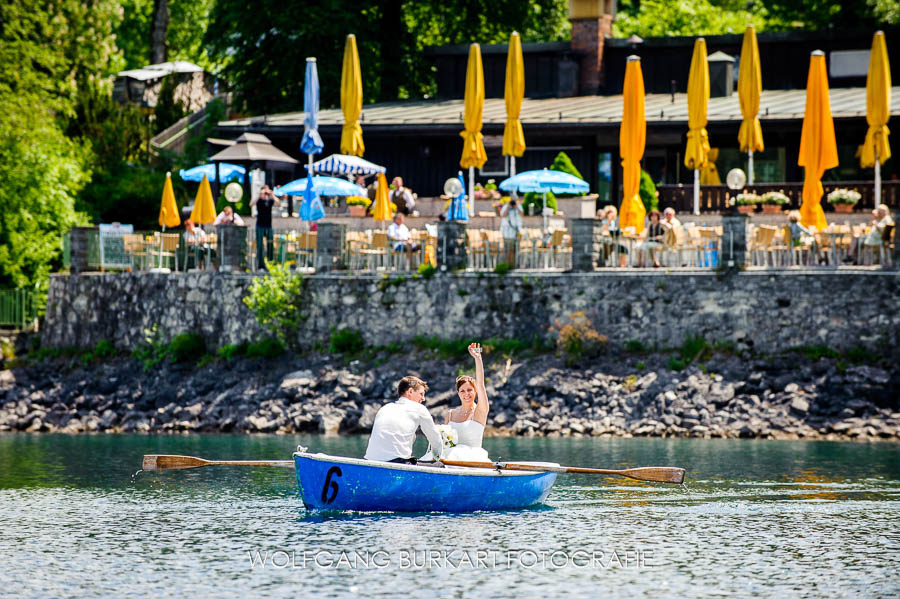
{"points": [[449, 436]]}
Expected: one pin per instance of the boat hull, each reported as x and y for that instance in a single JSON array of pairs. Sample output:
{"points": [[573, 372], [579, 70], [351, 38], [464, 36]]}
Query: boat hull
{"points": [[337, 483]]}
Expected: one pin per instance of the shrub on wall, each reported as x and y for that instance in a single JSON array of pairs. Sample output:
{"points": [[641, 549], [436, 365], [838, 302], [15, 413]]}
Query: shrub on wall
{"points": [[275, 302]]}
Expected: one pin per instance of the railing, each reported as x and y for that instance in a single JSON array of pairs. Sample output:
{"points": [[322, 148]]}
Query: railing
{"points": [[18, 308], [714, 198]]}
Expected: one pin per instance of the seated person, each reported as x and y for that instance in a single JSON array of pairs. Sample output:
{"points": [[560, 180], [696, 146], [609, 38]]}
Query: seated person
{"points": [[672, 226], [652, 238], [801, 236], [394, 429], [228, 217], [195, 238], [881, 220], [610, 227], [402, 197], [398, 234]]}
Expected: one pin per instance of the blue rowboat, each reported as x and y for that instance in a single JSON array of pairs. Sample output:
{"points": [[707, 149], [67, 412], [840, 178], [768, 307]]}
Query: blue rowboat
{"points": [[337, 483]]}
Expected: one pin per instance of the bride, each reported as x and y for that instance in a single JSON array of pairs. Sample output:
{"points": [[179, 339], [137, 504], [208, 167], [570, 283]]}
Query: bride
{"points": [[470, 418]]}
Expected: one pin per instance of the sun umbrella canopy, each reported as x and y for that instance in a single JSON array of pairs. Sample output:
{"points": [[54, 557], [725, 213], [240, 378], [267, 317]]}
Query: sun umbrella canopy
{"points": [[253, 147], [351, 100], [204, 211], [513, 136], [473, 153], [749, 91], [168, 209], [878, 105], [695, 154], [343, 164], [326, 186], [458, 209], [382, 210], [229, 172], [543, 181], [311, 208], [312, 141], [632, 139], [818, 148]]}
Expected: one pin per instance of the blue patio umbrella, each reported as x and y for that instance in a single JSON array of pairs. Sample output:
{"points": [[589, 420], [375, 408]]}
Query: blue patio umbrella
{"points": [[343, 164], [458, 209], [326, 186], [230, 172], [312, 141], [543, 181], [311, 208]]}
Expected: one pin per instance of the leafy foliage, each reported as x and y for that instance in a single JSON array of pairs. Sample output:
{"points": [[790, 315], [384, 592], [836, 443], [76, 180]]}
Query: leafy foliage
{"points": [[265, 348], [536, 201], [577, 339], [564, 164], [187, 347], [275, 301], [649, 196], [346, 341], [426, 270]]}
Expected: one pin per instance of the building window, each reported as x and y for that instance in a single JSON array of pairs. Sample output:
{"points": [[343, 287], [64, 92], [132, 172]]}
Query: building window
{"points": [[497, 163]]}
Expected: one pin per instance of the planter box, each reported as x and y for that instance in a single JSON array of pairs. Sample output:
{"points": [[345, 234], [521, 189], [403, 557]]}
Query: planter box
{"points": [[357, 210], [771, 208], [746, 208], [845, 208]]}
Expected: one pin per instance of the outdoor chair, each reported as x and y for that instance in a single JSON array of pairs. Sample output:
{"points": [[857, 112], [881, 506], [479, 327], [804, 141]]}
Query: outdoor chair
{"points": [[870, 253], [376, 254], [134, 247], [798, 255], [476, 249], [160, 258], [561, 248]]}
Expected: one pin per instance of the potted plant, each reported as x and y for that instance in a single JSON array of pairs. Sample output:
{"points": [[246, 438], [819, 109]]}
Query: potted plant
{"points": [[843, 199], [772, 201], [358, 205], [746, 202], [491, 188]]}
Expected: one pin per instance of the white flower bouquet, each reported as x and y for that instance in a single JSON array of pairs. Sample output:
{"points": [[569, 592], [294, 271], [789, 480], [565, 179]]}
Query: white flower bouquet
{"points": [[449, 436], [844, 196], [775, 197]]}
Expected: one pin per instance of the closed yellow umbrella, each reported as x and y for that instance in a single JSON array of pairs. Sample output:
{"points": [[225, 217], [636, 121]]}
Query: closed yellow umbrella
{"points": [[204, 211], [473, 153], [351, 100], [168, 210], [876, 149], [749, 90], [513, 136], [709, 174], [695, 155], [632, 139], [382, 209], [818, 148]]}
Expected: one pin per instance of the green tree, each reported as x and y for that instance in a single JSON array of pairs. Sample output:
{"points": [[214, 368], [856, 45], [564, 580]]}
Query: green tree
{"points": [[660, 18], [647, 190], [563, 163]]}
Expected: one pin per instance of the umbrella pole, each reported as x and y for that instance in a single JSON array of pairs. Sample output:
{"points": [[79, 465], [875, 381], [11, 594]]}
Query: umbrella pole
{"points": [[159, 256], [696, 191], [512, 166], [877, 180], [750, 167], [544, 212], [472, 190]]}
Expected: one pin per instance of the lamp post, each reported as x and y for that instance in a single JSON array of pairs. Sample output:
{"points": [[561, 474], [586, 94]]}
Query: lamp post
{"points": [[734, 224]]}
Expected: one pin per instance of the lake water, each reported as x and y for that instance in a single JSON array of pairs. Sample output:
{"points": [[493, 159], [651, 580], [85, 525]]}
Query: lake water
{"points": [[764, 518]]}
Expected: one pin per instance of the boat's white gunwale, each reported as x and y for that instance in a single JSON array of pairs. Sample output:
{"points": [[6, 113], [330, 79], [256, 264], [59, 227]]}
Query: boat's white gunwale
{"points": [[447, 470]]}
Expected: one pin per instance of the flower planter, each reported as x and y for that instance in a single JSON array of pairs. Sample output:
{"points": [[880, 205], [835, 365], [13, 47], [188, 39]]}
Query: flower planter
{"points": [[357, 210], [845, 208], [771, 208], [746, 208]]}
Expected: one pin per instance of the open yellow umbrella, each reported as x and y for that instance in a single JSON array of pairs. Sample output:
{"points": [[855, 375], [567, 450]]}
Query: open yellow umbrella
{"points": [[168, 210], [632, 139], [204, 211], [695, 155], [513, 136], [351, 100], [473, 153], [749, 90], [818, 148], [382, 209], [876, 149]]}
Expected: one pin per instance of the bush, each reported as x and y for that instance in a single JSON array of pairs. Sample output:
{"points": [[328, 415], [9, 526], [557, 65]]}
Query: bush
{"points": [[694, 348], [231, 351], [153, 350], [564, 164], [536, 200], [266, 348], [346, 341], [649, 196], [635, 346], [502, 268], [275, 301], [426, 271], [187, 347], [577, 339]]}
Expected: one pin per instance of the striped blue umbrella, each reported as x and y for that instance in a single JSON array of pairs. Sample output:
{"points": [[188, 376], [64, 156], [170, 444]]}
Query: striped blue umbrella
{"points": [[312, 141], [458, 208], [343, 164], [543, 181], [229, 172], [311, 208]]}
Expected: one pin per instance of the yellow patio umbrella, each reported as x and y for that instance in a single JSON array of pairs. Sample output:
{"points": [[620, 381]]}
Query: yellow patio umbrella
{"points": [[749, 90], [351, 100], [168, 210], [473, 153], [513, 136], [695, 155], [382, 209], [709, 174], [818, 148], [204, 211], [876, 149], [632, 139]]}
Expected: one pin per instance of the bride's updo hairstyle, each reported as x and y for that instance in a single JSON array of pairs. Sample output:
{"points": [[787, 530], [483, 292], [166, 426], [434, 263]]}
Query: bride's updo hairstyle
{"points": [[462, 380]]}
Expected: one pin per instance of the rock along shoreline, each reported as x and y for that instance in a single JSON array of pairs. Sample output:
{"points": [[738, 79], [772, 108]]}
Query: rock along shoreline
{"points": [[730, 397]]}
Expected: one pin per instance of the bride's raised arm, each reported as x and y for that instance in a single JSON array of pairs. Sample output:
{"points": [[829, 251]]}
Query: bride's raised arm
{"points": [[482, 407]]}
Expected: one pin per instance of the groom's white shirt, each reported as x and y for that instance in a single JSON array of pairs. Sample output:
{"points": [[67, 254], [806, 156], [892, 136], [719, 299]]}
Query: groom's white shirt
{"points": [[394, 430]]}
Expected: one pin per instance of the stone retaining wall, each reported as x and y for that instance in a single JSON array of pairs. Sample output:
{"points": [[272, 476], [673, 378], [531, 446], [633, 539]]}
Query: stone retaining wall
{"points": [[767, 311]]}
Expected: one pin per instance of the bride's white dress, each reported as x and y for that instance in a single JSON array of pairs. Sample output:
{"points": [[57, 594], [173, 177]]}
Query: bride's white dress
{"points": [[468, 447]]}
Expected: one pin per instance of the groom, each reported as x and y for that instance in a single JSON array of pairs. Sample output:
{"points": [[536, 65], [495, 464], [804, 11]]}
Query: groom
{"points": [[394, 430]]}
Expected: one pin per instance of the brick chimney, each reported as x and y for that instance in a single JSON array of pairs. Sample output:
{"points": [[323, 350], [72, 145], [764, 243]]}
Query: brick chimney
{"points": [[591, 23]]}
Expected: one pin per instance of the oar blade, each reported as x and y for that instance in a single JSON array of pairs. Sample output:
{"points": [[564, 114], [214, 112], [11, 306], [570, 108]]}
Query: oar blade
{"points": [[172, 462], [656, 474]]}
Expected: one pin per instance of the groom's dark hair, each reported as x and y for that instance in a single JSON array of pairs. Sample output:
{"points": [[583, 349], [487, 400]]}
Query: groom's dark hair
{"points": [[410, 382]]}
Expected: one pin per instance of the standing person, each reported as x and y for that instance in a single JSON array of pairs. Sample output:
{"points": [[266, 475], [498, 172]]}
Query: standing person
{"points": [[402, 197], [194, 237], [510, 227], [394, 429], [264, 204]]}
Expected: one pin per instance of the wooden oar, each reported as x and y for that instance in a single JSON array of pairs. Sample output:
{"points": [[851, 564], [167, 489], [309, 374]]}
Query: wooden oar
{"points": [[654, 474], [184, 462]]}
